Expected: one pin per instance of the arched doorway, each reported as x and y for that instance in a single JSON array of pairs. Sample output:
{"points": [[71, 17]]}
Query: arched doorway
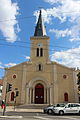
{"points": [[39, 94]]}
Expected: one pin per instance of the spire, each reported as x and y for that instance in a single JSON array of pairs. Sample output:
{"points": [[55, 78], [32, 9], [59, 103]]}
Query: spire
{"points": [[40, 28]]}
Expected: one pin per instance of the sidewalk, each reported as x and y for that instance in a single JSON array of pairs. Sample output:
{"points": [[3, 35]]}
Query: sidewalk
{"points": [[11, 108], [15, 117], [8, 108], [29, 110]]}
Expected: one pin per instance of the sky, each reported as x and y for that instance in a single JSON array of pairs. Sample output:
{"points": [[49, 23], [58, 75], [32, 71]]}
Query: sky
{"points": [[17, 24]]}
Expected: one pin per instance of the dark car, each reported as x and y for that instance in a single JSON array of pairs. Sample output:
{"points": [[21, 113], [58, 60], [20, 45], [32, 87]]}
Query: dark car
{"points": [[49, 109]]}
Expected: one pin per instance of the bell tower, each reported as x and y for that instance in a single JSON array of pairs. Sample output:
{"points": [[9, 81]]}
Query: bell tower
{"points": [[40, 42]]}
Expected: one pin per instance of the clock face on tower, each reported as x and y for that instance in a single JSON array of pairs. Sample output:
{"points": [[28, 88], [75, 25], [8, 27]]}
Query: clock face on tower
{"points": [[40, 45]]}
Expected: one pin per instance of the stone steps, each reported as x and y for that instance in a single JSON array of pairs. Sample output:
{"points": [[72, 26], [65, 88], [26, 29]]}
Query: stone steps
{"points": [[32, 106]]}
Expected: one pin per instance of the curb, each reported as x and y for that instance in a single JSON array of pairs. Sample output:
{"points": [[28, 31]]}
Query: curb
{"points": [[11, 117]]}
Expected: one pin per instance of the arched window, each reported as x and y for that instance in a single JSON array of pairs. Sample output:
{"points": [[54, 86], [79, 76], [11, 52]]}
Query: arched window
{"points": [[40, 67], [37, 54], [66, 97], [41, 52], [12, 96]]}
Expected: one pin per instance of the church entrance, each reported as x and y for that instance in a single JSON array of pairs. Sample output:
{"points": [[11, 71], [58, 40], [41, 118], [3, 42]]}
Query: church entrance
{"points": [[39, 94]]}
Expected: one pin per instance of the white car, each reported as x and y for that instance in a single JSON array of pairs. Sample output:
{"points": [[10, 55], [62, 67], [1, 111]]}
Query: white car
{"points": [[67, 108], [49, 109]]}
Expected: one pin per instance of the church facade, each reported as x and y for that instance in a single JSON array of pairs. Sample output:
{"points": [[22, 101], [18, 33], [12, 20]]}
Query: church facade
{"points": [[40, 80]]}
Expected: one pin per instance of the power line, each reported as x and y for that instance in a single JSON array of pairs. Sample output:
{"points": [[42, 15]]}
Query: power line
{"points": [[24, 47], [38, 61], [40, 72], [34, 48], [27, 17], [21, 18], [30, 67], [2, 39]]}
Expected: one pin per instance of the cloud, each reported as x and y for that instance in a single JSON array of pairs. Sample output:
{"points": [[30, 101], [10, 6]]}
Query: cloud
{"points": [[1, 67], [65, 11], [52, 1], [61, 33], [27, 57], [45, 15], [0, 63], [70, 58], [9, 64], [8, 24], [73, 32]]}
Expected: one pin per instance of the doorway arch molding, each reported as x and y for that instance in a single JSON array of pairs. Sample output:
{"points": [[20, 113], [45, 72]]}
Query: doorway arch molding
{"points": [[37, 80], [31, 89]]}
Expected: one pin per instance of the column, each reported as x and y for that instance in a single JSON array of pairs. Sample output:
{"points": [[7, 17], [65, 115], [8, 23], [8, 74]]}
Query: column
{"points": [[48, 97], [44, 95], [27, 95], [33, 95], [23, 90], [75, 87], [55, 83], [30, 95], [51, 95]]}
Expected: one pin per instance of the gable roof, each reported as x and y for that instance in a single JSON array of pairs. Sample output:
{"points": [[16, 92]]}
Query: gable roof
{"points": [[1, 82]]}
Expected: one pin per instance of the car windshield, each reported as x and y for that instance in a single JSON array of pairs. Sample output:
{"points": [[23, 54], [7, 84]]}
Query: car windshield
{"points": [[60, 105]]}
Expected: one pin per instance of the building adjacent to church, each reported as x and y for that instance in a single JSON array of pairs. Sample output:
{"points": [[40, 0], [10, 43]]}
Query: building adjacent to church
{"points": [[1, 86], [40, 80], [78, 83]]}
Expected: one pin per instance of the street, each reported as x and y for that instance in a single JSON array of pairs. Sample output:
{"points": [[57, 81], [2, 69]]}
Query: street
{"points": [[13, 115]]}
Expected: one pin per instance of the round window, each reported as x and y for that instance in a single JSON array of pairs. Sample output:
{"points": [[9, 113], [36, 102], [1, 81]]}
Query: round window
{"points": [[14, 76], [64, 76]]}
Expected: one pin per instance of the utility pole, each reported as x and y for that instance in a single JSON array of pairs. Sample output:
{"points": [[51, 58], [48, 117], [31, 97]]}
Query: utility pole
{"points": [[4, 109], [8, 88]]}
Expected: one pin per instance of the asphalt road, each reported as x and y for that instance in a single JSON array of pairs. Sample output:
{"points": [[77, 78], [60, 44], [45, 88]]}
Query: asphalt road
{"points": [[36, 116]]}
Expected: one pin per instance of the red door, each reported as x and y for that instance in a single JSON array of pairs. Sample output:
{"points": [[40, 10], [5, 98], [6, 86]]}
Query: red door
{"points": [[39, 94], [66, 97]]}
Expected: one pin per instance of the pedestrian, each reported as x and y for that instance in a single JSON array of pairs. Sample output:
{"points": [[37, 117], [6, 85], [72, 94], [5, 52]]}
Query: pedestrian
{"points": [[3, 104]]}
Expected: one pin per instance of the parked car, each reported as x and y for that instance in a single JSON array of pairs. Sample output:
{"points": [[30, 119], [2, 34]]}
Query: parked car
{"points": [[49, 109], [67, 108]]}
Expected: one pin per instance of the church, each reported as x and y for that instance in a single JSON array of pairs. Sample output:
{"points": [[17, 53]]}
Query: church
{"points": [[39, 80]]}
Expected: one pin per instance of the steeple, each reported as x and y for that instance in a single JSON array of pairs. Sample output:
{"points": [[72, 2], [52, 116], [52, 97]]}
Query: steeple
{"points": [[40, 28]]}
